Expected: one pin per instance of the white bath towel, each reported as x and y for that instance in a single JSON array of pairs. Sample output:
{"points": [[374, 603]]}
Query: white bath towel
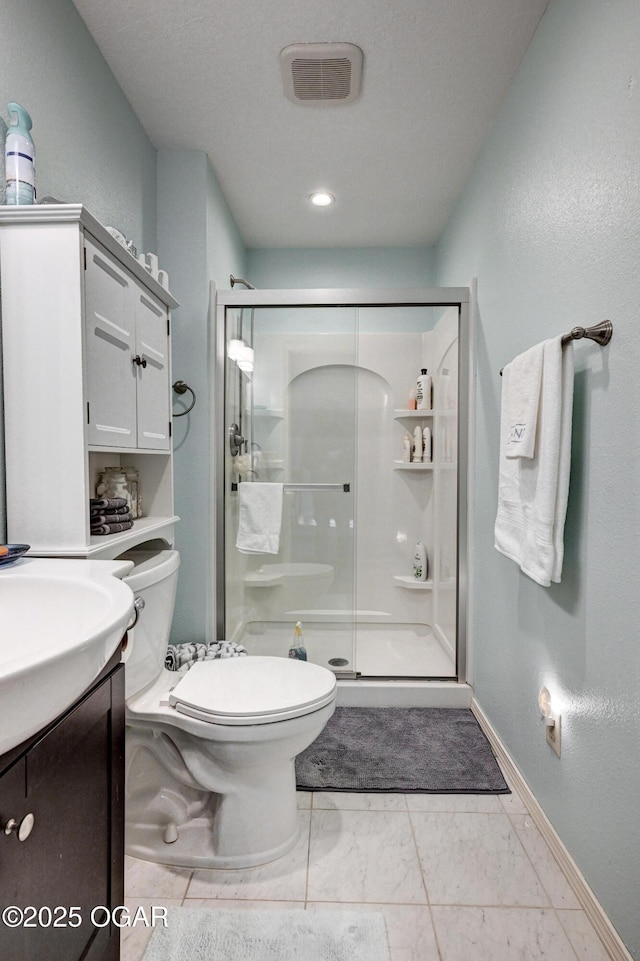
{"points": [[533, 492], [260, 518], [523, 382]]}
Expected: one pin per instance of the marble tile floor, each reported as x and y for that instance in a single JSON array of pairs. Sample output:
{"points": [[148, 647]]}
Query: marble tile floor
{"points": [[457, 878]]}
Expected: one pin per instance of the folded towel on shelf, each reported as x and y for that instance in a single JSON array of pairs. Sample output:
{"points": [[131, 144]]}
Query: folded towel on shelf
{"points": [[109, 517], [523, 380], [533, 492], [180, 657], [111, 528], [111, 511], [259, 518], [107, 503]]}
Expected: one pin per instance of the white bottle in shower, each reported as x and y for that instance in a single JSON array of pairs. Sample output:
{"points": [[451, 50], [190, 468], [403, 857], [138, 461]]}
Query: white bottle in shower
{"points": [[426, 445], [423, 390], [420, 563], [417, 445], [406, 449]]}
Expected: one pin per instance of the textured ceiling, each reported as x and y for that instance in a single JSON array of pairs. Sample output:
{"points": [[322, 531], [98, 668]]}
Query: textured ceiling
{"points": [[204, 74]]}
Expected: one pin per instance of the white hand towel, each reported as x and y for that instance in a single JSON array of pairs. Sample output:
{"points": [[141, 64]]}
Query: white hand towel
{"points": [[524, 378], [533, 493], [259, 518]]}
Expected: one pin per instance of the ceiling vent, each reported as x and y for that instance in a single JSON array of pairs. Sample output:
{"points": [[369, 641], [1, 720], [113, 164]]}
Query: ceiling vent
{"points": [[321, 72]]}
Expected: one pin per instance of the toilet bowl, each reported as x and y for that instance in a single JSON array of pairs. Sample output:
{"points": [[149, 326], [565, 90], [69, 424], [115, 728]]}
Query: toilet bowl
{"points": [[210, 775]]}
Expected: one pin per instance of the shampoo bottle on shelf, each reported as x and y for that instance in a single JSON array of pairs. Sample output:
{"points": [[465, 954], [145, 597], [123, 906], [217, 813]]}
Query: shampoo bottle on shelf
{"points": [[412, 399], [297, 649], [426, 445], [20, 158], [423, 390], [417, 445], [406, 449], [420, 563], [445, 390]]}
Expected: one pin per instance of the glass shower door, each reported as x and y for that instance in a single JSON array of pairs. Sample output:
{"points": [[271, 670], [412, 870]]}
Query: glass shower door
{"points": [[290, 410]]}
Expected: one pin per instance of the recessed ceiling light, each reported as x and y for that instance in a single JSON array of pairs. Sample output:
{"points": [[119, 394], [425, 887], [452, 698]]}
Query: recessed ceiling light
{"points": [[321, 198]]}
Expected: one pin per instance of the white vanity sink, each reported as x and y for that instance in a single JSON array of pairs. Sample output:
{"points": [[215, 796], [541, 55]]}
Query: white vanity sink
{"points": [[60, 622]]}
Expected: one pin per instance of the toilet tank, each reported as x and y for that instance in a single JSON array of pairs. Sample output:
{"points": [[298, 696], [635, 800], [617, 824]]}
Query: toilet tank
{"points": [[154, 578]]}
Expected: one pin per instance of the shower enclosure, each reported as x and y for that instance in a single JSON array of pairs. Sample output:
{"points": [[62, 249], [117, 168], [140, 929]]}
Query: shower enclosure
{"points": [[314, 393]]}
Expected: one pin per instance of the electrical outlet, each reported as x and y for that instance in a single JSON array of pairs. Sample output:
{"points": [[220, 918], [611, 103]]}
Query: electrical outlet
{"points": [[553, 732]]}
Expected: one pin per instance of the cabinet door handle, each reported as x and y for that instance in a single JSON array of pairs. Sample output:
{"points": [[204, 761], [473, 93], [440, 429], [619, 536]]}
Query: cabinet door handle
{"points": [[21, 828], [140, 361]]}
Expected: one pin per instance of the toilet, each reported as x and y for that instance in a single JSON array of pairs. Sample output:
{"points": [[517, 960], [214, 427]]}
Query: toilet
{"points": [[210, 776]]}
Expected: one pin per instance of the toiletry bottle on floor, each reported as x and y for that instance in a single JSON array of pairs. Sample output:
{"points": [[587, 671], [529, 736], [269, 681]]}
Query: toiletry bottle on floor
{"points": [[297, 648]]}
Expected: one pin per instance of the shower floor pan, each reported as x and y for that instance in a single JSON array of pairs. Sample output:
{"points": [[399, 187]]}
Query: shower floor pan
{"points": [[371, 650]]}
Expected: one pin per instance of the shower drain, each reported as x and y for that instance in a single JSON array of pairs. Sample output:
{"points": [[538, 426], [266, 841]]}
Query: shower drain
{"points": [[338, 662]]}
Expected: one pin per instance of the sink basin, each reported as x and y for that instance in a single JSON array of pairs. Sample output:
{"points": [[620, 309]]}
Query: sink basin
{"points": [[60, 622]]}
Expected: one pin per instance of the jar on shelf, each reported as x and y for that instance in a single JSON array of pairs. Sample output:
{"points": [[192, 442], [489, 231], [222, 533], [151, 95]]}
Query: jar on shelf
{"points": [[133, 484], [112, 482]]}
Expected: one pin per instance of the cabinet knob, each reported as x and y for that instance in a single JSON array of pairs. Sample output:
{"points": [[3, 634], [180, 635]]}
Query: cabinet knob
{"points": [[140, 361], [22, 828]]}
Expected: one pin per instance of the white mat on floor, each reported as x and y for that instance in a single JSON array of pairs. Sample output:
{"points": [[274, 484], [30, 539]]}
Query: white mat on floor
{"points": [[211, 934]]}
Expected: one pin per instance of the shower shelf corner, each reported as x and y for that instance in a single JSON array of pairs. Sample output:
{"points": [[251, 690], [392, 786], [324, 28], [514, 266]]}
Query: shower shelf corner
{"points": [[269, 412], [402, 465], [425, 412], [410, 583]]}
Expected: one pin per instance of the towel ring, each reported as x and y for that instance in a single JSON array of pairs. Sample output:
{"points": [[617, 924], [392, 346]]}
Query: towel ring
{"points": [[181, 388]]}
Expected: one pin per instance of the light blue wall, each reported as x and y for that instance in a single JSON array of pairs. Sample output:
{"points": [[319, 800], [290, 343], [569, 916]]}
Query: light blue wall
{"points": [[550, 225], [341, 267], [90, 146], [198, 242]]}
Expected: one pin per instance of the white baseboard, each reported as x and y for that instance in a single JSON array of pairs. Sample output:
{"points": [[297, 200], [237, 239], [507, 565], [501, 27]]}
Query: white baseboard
{"points": [[610, 938]]}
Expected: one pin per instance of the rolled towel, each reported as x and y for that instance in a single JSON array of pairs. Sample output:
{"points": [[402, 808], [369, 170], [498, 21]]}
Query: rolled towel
{"points": [[225, 649], [181, 657], [111, 528], [107, 503]]}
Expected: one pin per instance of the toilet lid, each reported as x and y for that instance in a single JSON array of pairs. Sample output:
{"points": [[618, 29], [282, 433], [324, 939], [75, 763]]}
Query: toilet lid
{"points": [[253, 690]]}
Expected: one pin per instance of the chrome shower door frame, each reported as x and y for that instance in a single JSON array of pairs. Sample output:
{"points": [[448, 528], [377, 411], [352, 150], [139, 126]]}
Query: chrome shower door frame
{"points": [[458, 297]]}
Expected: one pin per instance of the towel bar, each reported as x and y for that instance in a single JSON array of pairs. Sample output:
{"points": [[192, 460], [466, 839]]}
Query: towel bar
{"points": [[600, 333], [288, 488]]}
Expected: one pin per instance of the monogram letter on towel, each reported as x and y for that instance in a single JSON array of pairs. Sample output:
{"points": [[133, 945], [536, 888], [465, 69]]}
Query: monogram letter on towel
{"points": [[260, 518]]}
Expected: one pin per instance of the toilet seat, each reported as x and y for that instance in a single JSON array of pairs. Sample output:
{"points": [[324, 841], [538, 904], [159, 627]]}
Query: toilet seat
{"points": [[253, 690]]}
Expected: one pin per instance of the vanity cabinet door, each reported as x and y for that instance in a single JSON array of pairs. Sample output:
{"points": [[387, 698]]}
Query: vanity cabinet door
{"points": [[110, 350], [73, 856], [13, 808]]}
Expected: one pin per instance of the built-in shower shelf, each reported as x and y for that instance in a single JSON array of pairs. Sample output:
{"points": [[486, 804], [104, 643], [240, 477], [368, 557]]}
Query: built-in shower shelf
{"points": [[405, 580], [276, 414], [401, 414], [401, 465]]}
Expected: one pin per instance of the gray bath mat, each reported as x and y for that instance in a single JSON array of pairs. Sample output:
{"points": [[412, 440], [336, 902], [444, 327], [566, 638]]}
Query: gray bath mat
{"points": [[211, 934], [427, 750]]}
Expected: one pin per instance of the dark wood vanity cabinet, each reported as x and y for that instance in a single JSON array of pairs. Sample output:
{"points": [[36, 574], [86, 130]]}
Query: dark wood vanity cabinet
{"points": [[70, 778]]}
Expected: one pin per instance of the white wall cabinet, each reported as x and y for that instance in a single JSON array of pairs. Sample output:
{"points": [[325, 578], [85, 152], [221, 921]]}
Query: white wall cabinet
{"points": [[127, 330], [87, 375]]}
